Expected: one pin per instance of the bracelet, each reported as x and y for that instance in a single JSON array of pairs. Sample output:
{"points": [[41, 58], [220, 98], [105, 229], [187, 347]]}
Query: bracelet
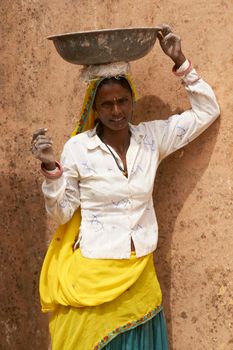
{"points": [[50, 175], [184, 72]]}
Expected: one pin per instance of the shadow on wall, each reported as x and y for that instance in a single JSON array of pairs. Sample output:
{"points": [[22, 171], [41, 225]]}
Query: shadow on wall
{"points": [[176, 178], [23, 229]]}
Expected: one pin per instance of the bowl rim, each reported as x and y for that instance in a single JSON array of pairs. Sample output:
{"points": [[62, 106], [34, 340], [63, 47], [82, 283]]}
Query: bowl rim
{"points": [[55, 36]]}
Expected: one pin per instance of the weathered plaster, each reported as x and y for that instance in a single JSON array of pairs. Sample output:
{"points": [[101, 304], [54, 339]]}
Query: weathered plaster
{"points": [[193, 191]]}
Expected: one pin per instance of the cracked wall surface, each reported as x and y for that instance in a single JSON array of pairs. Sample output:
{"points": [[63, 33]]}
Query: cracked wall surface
{"points": [[194, 186]]}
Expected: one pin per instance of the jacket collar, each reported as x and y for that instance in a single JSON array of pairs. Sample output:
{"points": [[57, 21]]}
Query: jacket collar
{"points": [[94, 141]]}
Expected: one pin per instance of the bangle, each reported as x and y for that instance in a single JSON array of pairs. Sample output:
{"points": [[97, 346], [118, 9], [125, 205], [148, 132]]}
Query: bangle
{"points": [[184, 72], [50, 175]]}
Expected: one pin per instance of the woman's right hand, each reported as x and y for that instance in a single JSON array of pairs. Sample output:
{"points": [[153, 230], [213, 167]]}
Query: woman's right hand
{"points": [[42, 148], [171, 44]]}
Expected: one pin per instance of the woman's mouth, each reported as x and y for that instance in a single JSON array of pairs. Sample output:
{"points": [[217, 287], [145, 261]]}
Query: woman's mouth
{"points": [[117, 120]]}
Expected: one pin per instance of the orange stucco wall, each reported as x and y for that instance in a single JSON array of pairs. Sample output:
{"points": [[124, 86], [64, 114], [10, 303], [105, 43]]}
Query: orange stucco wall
{"points": [[193, 190]]}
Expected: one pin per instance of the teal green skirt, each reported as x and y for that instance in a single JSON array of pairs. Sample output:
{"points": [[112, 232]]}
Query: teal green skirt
{"points": [[151, 335]]}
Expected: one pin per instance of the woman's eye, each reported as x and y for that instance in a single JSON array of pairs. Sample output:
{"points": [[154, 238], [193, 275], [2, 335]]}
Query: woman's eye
{"points": [[123, 101], [107, 105], [120, 102]]}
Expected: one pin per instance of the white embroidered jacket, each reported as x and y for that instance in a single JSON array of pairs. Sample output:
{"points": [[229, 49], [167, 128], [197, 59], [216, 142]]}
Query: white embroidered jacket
{"points": [[115, 208]]}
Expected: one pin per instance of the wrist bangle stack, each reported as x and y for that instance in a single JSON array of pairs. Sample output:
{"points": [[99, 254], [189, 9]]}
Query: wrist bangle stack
{"points": [[184, 72], [52, 175]]}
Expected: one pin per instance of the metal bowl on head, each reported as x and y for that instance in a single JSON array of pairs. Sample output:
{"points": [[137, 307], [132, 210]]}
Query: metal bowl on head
{"points": [[105, 46]]}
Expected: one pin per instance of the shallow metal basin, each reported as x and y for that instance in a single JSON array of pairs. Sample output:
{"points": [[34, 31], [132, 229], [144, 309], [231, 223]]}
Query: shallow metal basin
{"points": [[105, 46]]}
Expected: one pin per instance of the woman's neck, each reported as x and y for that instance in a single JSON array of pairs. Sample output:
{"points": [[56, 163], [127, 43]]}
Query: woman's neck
{"points": [[117, 139]]}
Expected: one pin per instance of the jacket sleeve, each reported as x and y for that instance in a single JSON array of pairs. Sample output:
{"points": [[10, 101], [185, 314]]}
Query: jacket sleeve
{"points": [[62, 196], [180, 129]]}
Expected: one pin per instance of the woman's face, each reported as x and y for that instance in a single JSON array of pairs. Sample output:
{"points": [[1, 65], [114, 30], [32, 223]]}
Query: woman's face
{"points": [[114, 106]]}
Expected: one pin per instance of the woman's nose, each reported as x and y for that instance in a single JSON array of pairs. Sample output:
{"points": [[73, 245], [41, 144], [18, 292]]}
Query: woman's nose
{"points": [[116, 109]]}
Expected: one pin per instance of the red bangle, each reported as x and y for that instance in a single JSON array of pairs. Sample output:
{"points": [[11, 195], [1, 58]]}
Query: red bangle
{"points": [[185, 72], [50, 175]]}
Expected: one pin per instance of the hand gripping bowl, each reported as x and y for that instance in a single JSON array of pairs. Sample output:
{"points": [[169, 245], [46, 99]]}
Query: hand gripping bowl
{"points": [[105, 46]]}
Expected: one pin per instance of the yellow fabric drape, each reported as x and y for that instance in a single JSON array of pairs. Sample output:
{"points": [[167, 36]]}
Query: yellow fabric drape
{"points": [[91, 328]]}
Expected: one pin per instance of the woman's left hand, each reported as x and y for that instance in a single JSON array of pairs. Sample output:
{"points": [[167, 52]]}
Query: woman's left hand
{"points": [[171, 44]]}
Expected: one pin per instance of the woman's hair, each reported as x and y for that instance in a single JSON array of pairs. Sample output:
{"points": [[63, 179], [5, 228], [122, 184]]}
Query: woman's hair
{"points": [[120, 80]]}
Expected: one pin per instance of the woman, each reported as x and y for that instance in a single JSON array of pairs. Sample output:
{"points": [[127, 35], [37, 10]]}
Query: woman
{"points": [[105, 293]]}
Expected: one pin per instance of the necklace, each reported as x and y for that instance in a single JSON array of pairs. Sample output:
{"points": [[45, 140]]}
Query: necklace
{"points": [[124, 171]]}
